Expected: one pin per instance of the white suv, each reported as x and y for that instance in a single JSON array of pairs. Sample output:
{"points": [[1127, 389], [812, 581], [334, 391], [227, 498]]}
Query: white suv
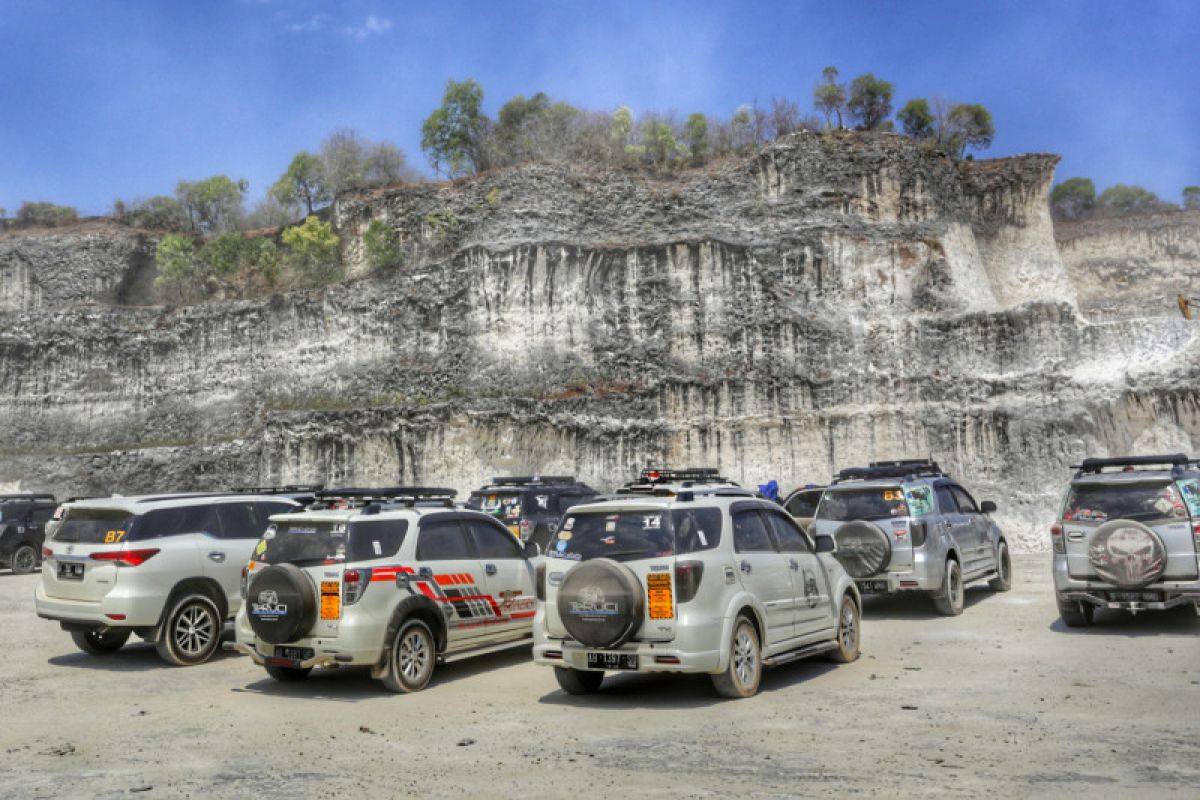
{"points": [[166, 567], [688, 576], [394, 579]]}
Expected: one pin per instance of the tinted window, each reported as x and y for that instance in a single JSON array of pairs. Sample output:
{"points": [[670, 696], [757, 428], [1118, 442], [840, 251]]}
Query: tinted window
{"points": [[494, 542], [94, 525], [265, 510], [1143, 502], [41, 516], [804, 504], [376, 538], [945, 500], [565, 501], [850, 504], [238, 521], [965, 503], [175, 521], [696, 529], [790, 539], [504, 506], [303, 543], [750, 534], [443, 541], [622, 536]]}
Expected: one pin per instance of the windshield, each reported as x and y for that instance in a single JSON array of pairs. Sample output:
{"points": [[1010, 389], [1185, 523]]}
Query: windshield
{"points": [[632, 535], [503, 506], [1099, 502], [95, 526], [306, 543], [842, 505]]}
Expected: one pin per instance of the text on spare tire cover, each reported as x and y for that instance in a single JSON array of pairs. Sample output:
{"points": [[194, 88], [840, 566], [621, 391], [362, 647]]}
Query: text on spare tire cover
{"points": [[267, 606], [592, 602]]}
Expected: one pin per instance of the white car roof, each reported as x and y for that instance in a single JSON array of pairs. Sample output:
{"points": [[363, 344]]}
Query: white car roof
{"points": [[140, 504]]}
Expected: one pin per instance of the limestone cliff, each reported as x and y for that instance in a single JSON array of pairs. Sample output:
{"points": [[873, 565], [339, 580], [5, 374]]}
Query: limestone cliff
{"points": [[831, 300]]}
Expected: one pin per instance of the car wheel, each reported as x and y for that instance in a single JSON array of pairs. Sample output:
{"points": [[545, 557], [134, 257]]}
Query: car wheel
{"points": [[1075, 613], [949, 600], [847, 632], [1003, 580], [191, 632], [288, 674], [24, 560], [577, 681], [100, 643], [741, 677], [411, 659]]}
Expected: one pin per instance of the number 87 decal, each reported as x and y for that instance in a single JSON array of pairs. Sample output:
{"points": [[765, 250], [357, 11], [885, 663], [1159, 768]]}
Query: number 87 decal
{"points": [[112, 537]]}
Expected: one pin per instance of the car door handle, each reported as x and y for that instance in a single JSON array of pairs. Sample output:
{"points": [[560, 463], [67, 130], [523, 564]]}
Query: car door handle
{"points": [[489, 569], [794, 564], [745, 566], [217, 556]]}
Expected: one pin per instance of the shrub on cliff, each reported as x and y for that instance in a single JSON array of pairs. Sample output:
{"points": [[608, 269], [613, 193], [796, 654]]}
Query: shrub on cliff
{"points": [[158, 213], [46, 215], [382, 245], [227, 264], [1074, 198], [313, 251], [1191, 198]]}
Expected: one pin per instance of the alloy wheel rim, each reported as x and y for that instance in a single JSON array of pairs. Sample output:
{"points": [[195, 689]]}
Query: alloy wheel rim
{"points": [[194, 630], [744, 658], [413, 655], [24, 560], [849, 631]]}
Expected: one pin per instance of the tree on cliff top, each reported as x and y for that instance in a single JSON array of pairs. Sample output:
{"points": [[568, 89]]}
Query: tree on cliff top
{"points": [[213, 204], [968, 125], [1123, 199], [453, 135], [829, 96], [46, 215], [303, 183], [1074, 198], [870, 101], [1191, 198], [917, 119]]}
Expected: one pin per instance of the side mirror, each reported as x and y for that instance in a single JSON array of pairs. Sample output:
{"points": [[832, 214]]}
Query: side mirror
{"points": [[825, 543], [531, 549], [987, 506]]}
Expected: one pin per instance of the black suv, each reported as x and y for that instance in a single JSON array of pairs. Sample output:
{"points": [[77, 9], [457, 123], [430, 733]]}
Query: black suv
{"points": [[23, 519], [531, 507]]}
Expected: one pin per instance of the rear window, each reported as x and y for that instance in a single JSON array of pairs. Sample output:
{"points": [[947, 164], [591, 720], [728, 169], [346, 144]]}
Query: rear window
{"points": [[632, 535], [95, 526], [1143, 502], [306, 543], [804, 504], [850, 504], [503, 506]]}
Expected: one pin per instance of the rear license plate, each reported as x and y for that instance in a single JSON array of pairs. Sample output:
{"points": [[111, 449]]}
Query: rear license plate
{"points": [[294, 653], [873, 587], [612, 660], [1135, 597], [70, 571]]}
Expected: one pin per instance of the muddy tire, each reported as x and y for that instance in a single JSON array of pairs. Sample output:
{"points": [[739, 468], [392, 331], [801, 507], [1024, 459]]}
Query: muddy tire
{"points": [[411, 658], [95, 643], [578, 681], [742, 676], [847, 632], [1075, 614], [24, 559], [288, 674], [1003, 580], [949, 600], [191, 632]]}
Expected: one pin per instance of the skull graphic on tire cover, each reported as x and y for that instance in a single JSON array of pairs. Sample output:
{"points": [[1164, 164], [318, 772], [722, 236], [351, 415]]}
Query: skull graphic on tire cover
{"points": [[1128, 556]]}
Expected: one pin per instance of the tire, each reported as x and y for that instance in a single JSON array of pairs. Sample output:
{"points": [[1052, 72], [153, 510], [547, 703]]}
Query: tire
{"points": [[577, 681], [742, 676], [288, 674], [24, 559], [847, 632], [1127, 554], [600, 603], [1074, 613], [949, 601], [281, 604], [863, 548], [191, 631], [411, 658], [95, 643], [1003, 580]]}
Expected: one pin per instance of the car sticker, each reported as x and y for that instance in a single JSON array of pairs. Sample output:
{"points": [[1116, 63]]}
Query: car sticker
{"points": [[561, 546], [565, 536], [658, 595], [651, 521], [610, 526], [569, 524], [1191, 495], [260, 548], [543, 500], [920, 500]]}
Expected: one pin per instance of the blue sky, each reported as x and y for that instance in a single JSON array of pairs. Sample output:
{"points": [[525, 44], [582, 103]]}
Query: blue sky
{"points": [[102, 99]]}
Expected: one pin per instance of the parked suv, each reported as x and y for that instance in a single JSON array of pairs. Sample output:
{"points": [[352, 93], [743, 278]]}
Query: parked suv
{"points": [[700, 578], [23, 519], [166, 567], [394, 579], [907, 526], [530, 506], [1128, 537]]}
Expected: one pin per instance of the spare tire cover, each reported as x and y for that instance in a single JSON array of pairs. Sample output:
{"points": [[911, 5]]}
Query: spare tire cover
{"points": [[281, 603], [863, 549], [600, 603], [1127, 553]]}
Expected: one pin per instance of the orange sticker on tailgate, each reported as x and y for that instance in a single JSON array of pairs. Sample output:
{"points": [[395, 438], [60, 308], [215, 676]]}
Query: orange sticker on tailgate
{"points": [[331, 600], [658, 595]]}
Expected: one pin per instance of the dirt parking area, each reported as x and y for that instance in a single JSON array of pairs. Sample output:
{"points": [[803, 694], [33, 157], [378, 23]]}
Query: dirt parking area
{"points": [[1002, 700]]}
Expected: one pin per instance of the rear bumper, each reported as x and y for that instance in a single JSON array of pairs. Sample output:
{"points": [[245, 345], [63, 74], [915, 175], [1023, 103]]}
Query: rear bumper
{"points": [[355, 645], [1167, 594], [120, 608], [925, 575], [652, 657]]}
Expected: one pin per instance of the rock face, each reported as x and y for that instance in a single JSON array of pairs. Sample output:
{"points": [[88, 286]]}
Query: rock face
{"points": [[832, 300]]}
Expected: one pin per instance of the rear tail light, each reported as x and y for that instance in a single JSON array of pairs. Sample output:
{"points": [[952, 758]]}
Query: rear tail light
{"points": [[917, 531], [47, 552], [58, 513], [126, 558], [687, 579], [245, 581], [539, 581], [354, 585], [1196, 535], [1056, 536]]}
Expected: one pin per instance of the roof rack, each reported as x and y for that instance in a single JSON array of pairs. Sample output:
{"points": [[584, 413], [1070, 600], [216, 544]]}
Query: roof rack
{"points": [[905, 469], [522, 480], [29, 496], [163, 498], [1095, 466], [278, 489], [701, 474], [627, 494], [408, 496]]}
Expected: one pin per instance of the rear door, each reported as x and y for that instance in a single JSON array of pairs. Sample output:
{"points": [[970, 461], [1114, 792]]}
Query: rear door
{"points": [[764, 572], [981, 551], [70, 573], [454, 578], [507, 579], [810, 584]]}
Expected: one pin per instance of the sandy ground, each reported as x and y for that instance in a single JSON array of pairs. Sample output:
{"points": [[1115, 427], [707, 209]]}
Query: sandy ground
{"points": [[1001, 700]]}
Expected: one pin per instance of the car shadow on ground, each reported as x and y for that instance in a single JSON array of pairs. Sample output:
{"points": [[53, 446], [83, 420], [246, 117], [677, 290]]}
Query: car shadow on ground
{"points": [[647, 690], [8, 573], [136, 656], [352, 684], [916, 605], [1179, 621]]}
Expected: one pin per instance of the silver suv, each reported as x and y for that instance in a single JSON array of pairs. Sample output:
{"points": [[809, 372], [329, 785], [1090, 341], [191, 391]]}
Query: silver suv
{"points": [[907, 526], [166, 567], [688, 576], [395, 579], [1128, 537]]}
